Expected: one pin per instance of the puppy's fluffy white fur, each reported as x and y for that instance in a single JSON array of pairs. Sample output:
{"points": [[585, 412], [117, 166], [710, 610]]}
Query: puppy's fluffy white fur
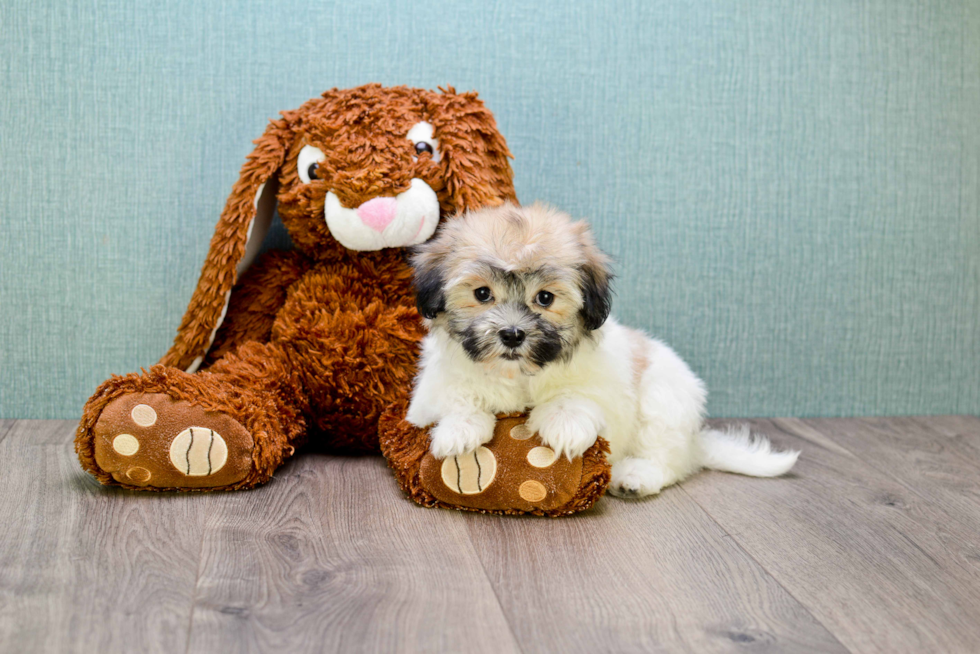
{"points": [[613, 381]]}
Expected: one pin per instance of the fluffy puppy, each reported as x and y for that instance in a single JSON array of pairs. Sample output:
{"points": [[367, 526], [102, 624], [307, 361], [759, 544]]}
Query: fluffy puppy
{"points": [[517, 304]]}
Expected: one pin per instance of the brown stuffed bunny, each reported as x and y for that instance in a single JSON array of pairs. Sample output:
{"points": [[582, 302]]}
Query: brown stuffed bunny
{"points": [[318, 341]]}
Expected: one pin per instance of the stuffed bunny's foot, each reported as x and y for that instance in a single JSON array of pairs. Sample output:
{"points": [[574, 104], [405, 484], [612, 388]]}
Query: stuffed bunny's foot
{"points": [[152, 440]]}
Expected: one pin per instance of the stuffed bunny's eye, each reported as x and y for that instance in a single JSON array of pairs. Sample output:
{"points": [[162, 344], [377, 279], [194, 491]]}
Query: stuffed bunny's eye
{"points": [[308, 162], [421, 135]]}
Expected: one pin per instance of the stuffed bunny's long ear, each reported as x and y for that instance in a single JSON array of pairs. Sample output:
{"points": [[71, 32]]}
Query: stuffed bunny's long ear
{"points": [[236, 242]]}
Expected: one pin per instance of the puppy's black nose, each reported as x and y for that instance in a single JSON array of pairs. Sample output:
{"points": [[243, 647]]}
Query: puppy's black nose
{"points": [[512, 336]]}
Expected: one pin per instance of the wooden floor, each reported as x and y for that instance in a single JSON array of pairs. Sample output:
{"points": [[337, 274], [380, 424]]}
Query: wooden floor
{"points": [[873, 545]]}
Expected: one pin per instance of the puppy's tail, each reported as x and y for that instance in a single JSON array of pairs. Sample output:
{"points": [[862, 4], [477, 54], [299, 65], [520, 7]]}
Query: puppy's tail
{"points": [[737, 450]]}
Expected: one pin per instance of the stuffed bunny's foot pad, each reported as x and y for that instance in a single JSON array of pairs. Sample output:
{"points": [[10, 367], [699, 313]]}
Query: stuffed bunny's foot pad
{"points": [[514, 473], [152, 440]]}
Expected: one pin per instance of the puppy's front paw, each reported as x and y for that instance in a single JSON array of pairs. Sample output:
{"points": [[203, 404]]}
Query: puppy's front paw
{"points": [[459, 433], [420, 414], [569, 426]]}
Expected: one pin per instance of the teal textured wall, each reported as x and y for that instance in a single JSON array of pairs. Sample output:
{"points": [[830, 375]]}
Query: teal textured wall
{"points": [[791, 187]]}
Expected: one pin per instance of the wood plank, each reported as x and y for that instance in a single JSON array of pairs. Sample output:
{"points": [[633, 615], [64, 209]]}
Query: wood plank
{"points": [[954, 423], [963, 430], [638, 576], [856, 548], [871, 546], [965, 426], [87, 568], [940, 467], [6, 426], [331, 557]]}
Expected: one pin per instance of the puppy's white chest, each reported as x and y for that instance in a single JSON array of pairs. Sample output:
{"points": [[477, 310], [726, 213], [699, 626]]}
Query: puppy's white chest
{"points": [[506, 390]]}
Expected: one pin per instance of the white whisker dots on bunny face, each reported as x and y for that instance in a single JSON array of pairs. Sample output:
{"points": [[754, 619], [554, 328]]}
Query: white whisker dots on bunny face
{"points": [[469, 474], [198, 451]]}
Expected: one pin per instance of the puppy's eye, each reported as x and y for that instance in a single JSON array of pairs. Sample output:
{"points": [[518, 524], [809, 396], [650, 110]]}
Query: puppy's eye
{"points": [[483, 294], [421, 136], [544, 298], [308, 162]]}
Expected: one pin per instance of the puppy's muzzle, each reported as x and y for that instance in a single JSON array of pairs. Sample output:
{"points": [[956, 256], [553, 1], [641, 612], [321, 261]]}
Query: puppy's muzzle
{"points": [[512, 337]]}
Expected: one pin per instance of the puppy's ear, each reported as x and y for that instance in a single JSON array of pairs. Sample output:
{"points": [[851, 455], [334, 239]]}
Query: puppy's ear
{"points": [[237, 239], [430, 298], [595, 280], [597, 295]]}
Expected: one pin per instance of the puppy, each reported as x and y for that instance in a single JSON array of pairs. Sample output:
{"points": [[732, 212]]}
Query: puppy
{"points": [[517, 304]]}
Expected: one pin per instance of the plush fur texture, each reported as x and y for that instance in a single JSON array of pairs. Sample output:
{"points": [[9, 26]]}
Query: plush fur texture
{"points": [[518, 300], [317, 342]]}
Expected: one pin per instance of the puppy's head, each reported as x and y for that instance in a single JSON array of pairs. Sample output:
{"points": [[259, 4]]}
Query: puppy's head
{"points": [[514, 284]]}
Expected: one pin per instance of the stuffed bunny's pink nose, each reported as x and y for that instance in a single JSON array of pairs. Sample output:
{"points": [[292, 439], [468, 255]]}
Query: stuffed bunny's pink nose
{"points": [[378, 213]]}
